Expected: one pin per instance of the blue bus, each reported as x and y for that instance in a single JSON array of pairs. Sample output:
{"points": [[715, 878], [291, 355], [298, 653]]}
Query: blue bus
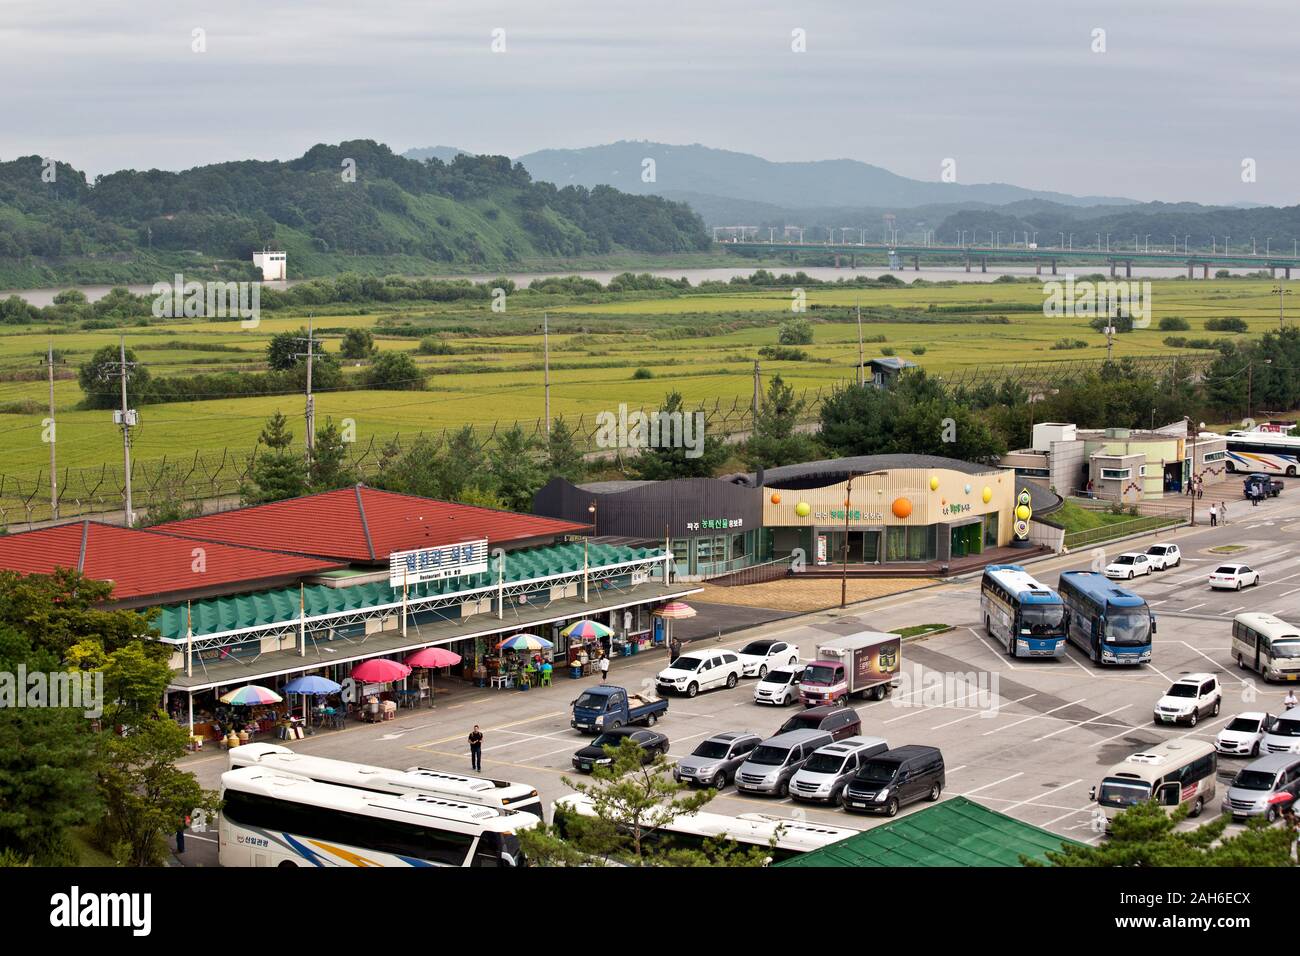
{"points": [[1112, 625], [1027, 618]]}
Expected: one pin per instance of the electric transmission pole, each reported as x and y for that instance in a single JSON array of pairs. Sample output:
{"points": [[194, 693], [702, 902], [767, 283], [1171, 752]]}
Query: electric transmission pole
{"points": [[546, 368], [54, 473], [310, 411], [125, 418]]}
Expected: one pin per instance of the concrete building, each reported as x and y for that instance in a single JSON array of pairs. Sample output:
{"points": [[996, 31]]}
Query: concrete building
{"points": [[274, 265], [1118, 464]]}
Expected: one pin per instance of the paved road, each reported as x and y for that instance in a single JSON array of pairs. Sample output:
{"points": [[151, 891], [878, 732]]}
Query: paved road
{"points": [[1027, 738]]}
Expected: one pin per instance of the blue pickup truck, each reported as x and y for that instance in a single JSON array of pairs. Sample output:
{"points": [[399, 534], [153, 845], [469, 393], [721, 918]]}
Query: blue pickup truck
{"points": [[605, 707]]}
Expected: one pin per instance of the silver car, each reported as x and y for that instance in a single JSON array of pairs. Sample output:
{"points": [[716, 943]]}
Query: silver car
{"points": [[772, 763], [1264, 787], [823, 777], [715, 761]]}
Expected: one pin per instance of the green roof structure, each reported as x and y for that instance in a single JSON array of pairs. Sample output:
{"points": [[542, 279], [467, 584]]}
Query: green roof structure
{"points": [[956, 832], [240, 612]]}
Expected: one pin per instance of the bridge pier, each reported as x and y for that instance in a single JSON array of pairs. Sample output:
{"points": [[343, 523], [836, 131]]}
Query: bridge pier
{"points": [[1112, 268], [1205, 270], [1272, 271], [1287, 273], [1053, 267], [984, 265], [1128, 268], [916, 263], [853, 260], [1190, 267], [1038, 268], [968, 263], [837, 260]]}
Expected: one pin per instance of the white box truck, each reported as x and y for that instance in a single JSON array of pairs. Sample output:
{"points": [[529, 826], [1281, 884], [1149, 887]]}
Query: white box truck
{"points": [[866, 664]]}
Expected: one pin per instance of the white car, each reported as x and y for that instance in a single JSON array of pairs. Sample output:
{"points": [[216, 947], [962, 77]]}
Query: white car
{"points": [[1164, 556], [759, 657], [1233, 577], [1128, 565], [779, 687], [1244, 734], [1189, 699], [1283, 735], [695, 671]]}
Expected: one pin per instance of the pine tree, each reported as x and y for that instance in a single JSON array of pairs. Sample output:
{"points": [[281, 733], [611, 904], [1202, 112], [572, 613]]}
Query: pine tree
{"points": [[277, 473], [774, 440], [329, 463], [563, 455], [515, 467]]}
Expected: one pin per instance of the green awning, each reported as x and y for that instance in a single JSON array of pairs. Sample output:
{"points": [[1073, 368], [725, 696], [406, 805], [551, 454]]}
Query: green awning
{"points": [[261, 608], [956, 832]]}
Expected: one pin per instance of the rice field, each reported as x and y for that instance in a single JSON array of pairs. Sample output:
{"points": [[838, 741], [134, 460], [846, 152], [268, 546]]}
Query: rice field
{"points": [[495, 374]]}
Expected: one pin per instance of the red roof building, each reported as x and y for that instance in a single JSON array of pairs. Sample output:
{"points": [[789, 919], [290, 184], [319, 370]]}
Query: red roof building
{"points": [[364, 525], [152, 566]]}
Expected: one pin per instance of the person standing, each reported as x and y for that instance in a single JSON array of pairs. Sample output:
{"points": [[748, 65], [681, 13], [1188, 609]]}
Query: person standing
{"points": [[1214, 515], [476, 749], [604, 667], [1223, 512], [180, 834], [1290, 700]]}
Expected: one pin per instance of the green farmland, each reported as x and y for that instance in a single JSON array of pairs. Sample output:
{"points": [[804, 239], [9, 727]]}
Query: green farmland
{"points": [[701, 344]]}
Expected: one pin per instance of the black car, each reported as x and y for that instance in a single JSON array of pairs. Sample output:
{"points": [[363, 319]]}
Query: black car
{"points": [[651, 743], [894, 779]]}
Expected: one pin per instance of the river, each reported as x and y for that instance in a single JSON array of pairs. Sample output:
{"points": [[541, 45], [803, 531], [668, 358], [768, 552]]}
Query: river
{"points": [[44, 297]]}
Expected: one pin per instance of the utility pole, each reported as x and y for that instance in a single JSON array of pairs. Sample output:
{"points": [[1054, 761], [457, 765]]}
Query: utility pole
{"points": [[125, 418], [1281, 315], [844, 566], [54, 472], [861, 357], [546, 368], [758, 395], [310, 410]]}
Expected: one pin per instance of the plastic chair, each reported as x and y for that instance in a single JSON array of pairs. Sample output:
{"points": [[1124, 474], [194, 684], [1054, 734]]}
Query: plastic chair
{"points": [[546, 678]]}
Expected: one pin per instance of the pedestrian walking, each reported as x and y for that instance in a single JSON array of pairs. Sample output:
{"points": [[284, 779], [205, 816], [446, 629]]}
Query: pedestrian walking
{"points": [[1214, 515], [604, 668], [476, 749], [1223, 512], [1200, 487]]}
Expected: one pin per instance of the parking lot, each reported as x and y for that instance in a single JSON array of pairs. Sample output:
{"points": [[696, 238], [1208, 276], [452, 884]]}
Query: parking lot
{"points": [[1027, 737]]}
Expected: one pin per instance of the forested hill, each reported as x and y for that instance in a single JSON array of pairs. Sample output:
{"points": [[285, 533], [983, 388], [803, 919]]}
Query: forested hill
{"points": [[474, 210]]}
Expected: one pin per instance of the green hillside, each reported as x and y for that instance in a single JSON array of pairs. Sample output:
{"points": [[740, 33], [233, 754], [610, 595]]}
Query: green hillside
{"points": [[352, 207]]}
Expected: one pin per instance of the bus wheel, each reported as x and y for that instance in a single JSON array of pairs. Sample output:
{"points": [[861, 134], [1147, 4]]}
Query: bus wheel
{"points": [[1197, 807], [1290, 471], [289, 863], [1241, 662]]}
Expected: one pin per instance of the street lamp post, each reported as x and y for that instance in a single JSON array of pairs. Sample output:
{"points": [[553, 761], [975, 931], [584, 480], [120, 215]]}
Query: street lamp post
{"points": [[591, 510], [844, 565]]}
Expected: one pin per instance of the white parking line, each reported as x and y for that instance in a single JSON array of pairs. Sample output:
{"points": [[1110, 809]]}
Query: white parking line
{"points": [[1043, 794], [978, 712], [993, 784], [1233, 611], [1087, 808], [1061, 730], [1193, 607], [1034, 717]]}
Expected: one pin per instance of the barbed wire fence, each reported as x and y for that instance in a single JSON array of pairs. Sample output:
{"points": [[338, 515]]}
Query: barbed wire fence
{"points": [[217, 478]]}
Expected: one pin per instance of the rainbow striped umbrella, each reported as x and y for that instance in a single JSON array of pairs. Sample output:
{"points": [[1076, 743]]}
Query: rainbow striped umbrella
{"points": [[587, 630], [525, 642], [675, 611], [251, 694]]}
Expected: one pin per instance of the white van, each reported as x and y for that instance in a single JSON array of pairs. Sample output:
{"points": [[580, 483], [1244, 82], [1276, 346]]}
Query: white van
{"points": [[1283, 735], [1268, 644], [1171, 773]]}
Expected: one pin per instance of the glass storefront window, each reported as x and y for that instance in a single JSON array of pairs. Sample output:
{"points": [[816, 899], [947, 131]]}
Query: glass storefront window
{"points": [[909, 544], [991, 530], [895, 544]]}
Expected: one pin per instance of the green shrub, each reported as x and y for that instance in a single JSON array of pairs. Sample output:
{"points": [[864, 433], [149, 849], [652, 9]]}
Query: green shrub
{"points": [[918, 349], [1174, 323], [1068, 343], [643, 373], [886, 350], [1226, 324]]}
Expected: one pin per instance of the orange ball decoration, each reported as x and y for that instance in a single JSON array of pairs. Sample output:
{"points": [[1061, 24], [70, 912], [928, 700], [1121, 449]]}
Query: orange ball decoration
{"points": [[776, 499], [902, 508]]}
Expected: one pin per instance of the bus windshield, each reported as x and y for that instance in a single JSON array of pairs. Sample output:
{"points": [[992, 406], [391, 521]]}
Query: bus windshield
{"points": [[1128, 627], [1123, 793], [1289, 648], [1042, 618]]}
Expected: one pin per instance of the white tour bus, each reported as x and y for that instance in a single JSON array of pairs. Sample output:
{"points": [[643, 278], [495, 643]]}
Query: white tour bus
{"points": [[1268, 449], [749, 829], [500, 794], [1171, 773], [1267, 644], [270, 818]]}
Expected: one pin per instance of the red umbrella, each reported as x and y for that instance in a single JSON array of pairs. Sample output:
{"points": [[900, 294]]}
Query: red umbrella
{"points": [[380, 670], [434, 657]]}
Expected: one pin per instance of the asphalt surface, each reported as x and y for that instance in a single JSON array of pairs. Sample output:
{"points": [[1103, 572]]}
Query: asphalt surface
{"points": [[1028, 738]]}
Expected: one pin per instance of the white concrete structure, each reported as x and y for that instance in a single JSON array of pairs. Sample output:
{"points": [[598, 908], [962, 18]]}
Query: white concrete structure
{"points": [[274, 265]]}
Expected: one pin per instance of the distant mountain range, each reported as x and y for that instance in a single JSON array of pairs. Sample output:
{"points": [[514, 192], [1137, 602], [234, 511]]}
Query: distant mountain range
{"points": [[702, 171]]}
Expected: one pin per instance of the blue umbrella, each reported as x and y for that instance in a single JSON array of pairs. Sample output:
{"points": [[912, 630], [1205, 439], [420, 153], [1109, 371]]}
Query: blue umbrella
{"points": [[315, 686], [311, 686]]}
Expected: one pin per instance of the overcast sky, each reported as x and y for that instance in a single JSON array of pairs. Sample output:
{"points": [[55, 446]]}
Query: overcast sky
{"points": [[1185, 90]]}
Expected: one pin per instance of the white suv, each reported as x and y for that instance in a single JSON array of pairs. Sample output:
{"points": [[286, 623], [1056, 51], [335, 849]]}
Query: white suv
{"points": [[1164, 556], [1189, 699], [695, 671]]}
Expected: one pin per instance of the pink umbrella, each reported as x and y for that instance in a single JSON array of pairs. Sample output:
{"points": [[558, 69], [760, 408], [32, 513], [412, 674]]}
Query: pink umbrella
{"points": [[433, 657], [380, 670]]}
